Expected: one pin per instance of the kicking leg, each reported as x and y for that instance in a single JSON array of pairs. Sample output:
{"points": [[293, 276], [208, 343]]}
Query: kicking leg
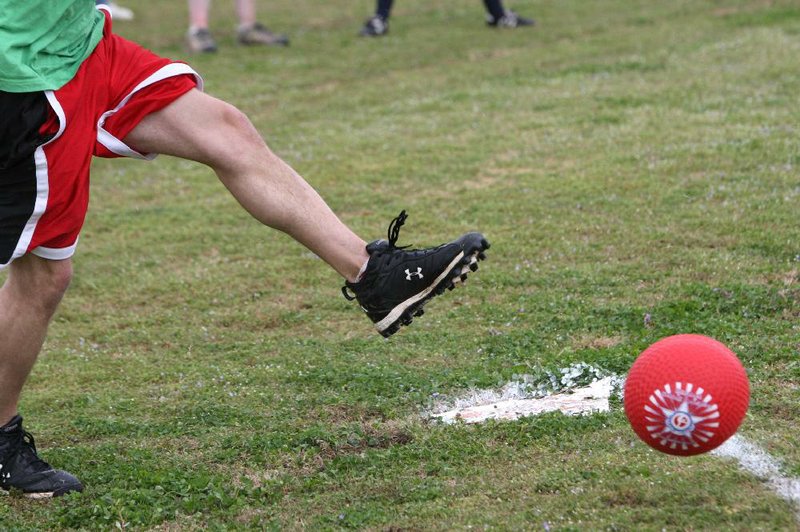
{"points": [[199, 127], [396, 283]]}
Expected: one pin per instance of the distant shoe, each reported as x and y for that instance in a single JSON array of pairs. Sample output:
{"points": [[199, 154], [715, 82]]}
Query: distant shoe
{"points": [[258, 34], [509, 20], [200, 41], [119, 12], [21, 468], [398, 282], [375, 27]]}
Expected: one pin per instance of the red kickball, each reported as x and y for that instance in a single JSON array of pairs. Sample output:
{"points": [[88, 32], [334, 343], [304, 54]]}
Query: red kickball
{"points": [[686, 394]]}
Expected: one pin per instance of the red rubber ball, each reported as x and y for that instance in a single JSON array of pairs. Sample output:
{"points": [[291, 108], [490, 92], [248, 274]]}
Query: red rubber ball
{"points": [[686, 394]]}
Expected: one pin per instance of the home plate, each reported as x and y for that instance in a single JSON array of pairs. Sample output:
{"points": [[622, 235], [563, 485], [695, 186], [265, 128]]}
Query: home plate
{"points": [[482, 407]]}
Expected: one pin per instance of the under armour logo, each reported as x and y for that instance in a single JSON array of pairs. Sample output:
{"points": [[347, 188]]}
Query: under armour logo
{"points": [[409, 273]]}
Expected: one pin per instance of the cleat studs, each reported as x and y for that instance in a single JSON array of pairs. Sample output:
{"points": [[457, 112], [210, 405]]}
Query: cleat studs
{"points": [[473, 267], [390, 330]]}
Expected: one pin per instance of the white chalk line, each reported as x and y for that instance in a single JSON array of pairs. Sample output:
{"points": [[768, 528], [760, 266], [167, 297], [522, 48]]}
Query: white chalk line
{"points": [[759, 463], [585, 400], [513, 401]]}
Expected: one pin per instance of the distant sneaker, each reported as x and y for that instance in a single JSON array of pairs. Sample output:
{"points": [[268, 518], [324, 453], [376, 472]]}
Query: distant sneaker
{"points": [[199, 40], [23, 470], [258, 34], [398, 282], [375, 26], [509, 20]]}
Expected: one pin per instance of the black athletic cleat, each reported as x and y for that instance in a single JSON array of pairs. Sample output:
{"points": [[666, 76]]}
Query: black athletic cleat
{"points": [[509, 20], [375, 26], [398, 282], [22, 469]]}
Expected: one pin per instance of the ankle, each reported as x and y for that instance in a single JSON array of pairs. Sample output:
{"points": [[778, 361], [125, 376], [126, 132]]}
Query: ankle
{"points": [[360, 274], [6, 421]]}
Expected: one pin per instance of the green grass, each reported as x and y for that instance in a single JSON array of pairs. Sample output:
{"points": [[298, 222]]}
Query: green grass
{"points": [[625, 158]]}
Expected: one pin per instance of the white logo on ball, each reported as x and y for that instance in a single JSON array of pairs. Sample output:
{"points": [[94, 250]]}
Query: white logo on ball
{"points": [[681, 416]]}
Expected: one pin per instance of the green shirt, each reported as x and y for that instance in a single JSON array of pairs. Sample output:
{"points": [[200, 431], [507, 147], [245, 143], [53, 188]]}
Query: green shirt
{"points": [[43, 42]]}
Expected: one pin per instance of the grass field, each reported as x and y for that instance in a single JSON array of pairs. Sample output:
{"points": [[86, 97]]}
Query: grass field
{"points": [[626, 158]]}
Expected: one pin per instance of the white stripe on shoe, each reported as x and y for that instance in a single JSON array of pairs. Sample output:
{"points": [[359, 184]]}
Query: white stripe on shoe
{"points": [[397, 311], [40, 495]]}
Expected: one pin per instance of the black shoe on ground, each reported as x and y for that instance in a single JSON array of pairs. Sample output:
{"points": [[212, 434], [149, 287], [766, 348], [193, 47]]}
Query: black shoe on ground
{"points": [[22, 469], [375, 26], [398, 282], [509, 20]]}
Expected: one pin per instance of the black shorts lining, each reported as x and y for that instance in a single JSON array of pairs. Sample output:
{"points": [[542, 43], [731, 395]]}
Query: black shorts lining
{"points": [[21, 117]]}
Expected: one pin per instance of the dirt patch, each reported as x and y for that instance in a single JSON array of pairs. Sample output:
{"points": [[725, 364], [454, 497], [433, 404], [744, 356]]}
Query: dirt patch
{"points": [[372, 437], [596, 342]]}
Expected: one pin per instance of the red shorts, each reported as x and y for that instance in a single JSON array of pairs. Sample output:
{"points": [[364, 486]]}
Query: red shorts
{"points": [[43, 203]]}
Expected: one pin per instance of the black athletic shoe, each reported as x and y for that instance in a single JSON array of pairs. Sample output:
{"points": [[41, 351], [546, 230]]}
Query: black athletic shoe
{"points": [[398, 282], [509, 20], [375, 26], [23, 470]]}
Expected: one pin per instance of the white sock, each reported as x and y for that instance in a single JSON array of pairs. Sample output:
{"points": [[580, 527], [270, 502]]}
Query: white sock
{"points": [[361, 271]]}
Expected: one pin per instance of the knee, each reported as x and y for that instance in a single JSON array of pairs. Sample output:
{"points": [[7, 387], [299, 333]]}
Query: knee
{"points": [[60, 277], [237, 134], [232, 117], [40, 281], [54, 280]]}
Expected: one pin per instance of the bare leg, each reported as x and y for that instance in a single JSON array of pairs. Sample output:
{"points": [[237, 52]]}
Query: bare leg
{"points": [[28, 300], [202, 128], [198, 13], [246, 11]]}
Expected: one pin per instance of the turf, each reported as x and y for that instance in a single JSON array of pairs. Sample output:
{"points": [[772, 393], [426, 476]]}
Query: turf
{"points": [[635, 165]]}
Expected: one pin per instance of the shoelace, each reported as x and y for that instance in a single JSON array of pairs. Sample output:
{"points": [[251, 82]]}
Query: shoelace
{"points": [[394, 230], [25, 442], [393, 233]]}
